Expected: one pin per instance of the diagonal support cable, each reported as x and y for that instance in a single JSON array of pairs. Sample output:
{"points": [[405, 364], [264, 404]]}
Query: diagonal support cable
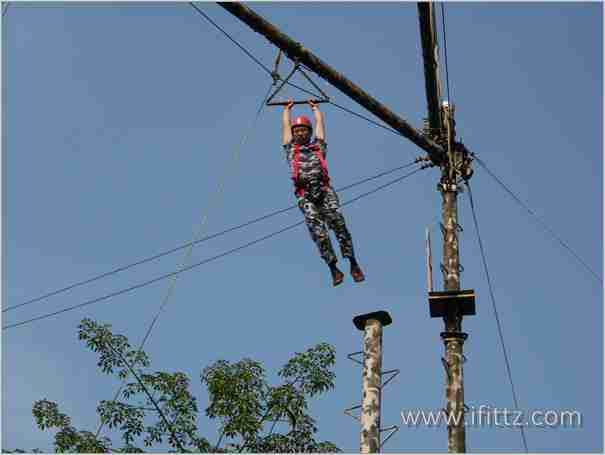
{"points": [[544, 226], [495, 309], [244, 50]]}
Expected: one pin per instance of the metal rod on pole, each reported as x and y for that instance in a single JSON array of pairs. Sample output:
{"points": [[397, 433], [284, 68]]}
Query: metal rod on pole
{"points": [[285, 103], [429, 262]]}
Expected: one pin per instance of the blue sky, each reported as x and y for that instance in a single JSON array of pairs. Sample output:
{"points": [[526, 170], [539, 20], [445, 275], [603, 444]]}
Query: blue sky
{"points": [[120, 120]]}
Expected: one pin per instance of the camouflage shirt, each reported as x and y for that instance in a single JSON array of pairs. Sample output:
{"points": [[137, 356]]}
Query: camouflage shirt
{"points": [[310, 171]]}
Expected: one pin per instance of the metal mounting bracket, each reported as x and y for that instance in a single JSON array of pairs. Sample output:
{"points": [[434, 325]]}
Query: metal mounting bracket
{"points": [[354, 354], [393, 429], [393, 374], [349, 412], [323, 98]]}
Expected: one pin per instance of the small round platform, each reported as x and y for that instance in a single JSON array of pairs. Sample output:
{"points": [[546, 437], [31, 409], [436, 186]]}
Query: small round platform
{"points": [[382, 316]]}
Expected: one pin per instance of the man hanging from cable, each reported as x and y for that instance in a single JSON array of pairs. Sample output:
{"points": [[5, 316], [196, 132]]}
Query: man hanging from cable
{"points": [[316, 198]]}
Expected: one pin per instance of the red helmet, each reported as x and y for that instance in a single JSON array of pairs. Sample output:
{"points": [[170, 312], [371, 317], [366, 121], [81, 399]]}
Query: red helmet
{"points": [[302, 121]]}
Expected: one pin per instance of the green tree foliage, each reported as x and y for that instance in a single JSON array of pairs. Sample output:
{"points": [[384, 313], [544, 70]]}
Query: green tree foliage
{"points": [[158, 408]]}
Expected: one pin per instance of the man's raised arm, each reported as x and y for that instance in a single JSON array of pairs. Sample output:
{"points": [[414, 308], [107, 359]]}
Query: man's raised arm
{"points": [[320, 128], [286, 125]]}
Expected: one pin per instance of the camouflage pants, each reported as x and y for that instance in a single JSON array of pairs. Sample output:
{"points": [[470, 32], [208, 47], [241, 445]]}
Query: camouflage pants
{"points": [[317, 215]]}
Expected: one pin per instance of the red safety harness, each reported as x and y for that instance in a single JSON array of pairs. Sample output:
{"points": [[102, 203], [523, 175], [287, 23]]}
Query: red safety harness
{"points": [[298, 187]]}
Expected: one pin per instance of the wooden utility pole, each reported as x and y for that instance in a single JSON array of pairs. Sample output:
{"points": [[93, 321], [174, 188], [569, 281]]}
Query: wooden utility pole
{"points": [[374, 381], [371, 324], [452, 304], [430, 56]]}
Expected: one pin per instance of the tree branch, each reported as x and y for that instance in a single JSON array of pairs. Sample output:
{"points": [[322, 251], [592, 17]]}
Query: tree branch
{"points": [[170, 428]]}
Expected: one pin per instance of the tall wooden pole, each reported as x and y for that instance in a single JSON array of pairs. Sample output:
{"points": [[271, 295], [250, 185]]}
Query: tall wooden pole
{"points": [[453, 337], [371, 398], [430, 56], [372, 325], [456, 165]]}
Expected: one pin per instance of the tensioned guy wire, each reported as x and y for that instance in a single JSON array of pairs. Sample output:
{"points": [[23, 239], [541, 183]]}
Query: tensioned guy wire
{"points": [[495, 309], [544, 226], [248, 53]]}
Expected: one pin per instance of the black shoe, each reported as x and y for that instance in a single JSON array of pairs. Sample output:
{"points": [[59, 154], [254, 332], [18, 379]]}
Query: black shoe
{"points": [[337, 275], [357, 274]]}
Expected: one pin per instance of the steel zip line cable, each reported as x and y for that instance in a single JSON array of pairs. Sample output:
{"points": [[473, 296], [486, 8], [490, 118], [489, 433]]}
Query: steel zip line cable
{"points": [[495, 309], [268, 71], [248, 53], [195, 242], [205, 261]]}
